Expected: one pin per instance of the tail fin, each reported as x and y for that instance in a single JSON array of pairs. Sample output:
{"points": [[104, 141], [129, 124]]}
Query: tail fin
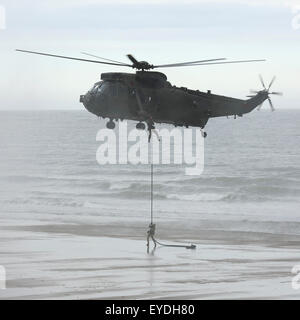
{"points": [[255, 101]]}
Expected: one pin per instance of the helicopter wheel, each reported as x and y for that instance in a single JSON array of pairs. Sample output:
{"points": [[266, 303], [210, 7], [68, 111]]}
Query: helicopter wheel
{"points": [[203, 133], [110, 124], [140, 126]]}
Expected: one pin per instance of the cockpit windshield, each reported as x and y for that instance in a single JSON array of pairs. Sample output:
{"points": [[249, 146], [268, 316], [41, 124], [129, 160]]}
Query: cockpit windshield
{"points": [[110, 88], [96, 86]]}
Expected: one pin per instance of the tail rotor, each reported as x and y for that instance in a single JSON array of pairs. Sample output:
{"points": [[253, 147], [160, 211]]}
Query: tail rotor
{"points": [[266, 91]]}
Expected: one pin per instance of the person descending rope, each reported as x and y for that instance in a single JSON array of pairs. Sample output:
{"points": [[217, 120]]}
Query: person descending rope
{"points": [[150, 234], [151, 128]]}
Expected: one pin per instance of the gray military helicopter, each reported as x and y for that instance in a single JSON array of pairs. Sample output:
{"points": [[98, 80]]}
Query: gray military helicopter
{"points": [[147, 97]]}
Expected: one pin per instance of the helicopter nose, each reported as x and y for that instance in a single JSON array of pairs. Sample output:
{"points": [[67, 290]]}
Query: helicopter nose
{"points": [[94, 104], [81, 99], [86, 100]]}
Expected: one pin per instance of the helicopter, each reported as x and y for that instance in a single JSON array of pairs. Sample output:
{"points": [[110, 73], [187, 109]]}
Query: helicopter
{"points": [[149, 98]]}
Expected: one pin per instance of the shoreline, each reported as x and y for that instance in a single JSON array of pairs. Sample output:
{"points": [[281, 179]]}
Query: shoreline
{"points": [[60, 264]]}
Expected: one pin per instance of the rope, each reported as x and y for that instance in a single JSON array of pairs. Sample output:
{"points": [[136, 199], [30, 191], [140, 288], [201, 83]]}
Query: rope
{"points": [[151, 217], [151, 230], [191, 246]]}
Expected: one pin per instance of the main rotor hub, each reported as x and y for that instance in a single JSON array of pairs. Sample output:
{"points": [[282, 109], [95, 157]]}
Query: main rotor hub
{"points": [[142, 65]]}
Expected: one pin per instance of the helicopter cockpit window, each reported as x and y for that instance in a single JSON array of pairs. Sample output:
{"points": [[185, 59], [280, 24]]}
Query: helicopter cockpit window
{"points": [[110, 88], [115, 89], [94, 90], [96, 87], [103, 88]]}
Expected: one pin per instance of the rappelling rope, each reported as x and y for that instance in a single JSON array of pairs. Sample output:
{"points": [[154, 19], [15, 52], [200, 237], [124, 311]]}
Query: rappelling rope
{"points": [[151, 218], [151, 230], [191, 246]]}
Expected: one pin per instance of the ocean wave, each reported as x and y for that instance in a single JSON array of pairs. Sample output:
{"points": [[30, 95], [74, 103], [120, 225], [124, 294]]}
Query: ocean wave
{"points": [[72, 190], [230, 197], [196, 197], [142, 195], [46, 201], [237, 181], [141, 190]]}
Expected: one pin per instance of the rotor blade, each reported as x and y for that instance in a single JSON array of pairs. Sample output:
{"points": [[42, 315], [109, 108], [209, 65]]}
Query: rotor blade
{"points": [[271, 104], [277, 93], [273, 79], [259, 107], [235, 61], [254, 91], [132, 59], [71, 58], [203, 64], [262, 81], [185, 63], [250, 96], [92, 55]]}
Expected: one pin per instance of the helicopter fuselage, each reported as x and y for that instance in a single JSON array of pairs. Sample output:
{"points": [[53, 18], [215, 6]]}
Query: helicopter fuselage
{"points": [[148, 95]]}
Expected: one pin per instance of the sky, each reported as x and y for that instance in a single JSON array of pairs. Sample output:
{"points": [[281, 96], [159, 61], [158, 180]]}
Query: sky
{"points": [[158, 31]]}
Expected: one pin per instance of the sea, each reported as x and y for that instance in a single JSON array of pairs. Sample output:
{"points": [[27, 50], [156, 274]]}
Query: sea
{"points": [[72, 228]]}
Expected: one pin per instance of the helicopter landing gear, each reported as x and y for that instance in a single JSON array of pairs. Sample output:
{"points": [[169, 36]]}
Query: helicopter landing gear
{"points": [[203, 133], [110, 124], [140, 126]]}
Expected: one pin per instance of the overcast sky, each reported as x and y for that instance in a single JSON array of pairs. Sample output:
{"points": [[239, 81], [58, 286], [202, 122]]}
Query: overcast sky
{"points": [[159, 31]]}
